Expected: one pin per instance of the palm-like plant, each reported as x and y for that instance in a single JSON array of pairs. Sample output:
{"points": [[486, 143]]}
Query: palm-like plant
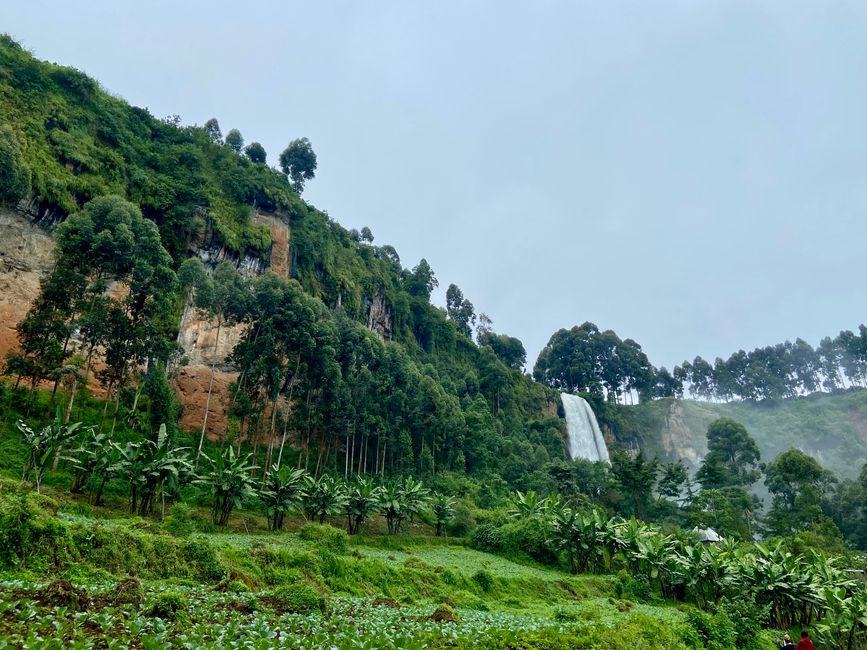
{"points": [[362, 500], [402, 500], [443, 509], [42, 445], [527, 505], [324, 496], [230, 479], [92, 449], [284, 489], [153, 469]]}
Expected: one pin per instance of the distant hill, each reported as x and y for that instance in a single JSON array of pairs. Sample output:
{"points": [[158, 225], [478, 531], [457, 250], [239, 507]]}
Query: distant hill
{"points": [[830, 427]]}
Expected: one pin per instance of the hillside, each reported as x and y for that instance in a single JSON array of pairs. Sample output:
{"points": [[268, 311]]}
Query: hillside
{"points": [[388, 374], [832, 428]]}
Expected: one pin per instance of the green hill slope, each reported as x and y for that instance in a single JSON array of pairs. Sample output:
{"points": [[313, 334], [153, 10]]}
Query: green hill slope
{"points": [[833, 428]]}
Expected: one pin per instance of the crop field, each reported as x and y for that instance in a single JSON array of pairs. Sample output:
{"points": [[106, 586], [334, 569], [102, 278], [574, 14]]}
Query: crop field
{"points": [[61, 615]]}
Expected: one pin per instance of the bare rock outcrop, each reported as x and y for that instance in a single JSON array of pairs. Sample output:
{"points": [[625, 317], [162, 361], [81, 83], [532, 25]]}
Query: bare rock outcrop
{"points": [[26, 254]]}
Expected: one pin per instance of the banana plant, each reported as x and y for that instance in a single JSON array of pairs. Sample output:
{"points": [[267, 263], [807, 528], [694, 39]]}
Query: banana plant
{"points": [[43, 445], [362, 500], [153, 468], [526, 506], [285, 488], [443, 509], [230, 479], [324, 496]]}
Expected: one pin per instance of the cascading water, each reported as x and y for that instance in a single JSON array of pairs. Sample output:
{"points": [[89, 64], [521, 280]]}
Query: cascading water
{"points": [[585, 437]]}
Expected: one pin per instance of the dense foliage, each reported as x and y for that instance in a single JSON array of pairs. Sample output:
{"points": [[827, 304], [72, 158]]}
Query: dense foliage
{"points": [[598, 362]]}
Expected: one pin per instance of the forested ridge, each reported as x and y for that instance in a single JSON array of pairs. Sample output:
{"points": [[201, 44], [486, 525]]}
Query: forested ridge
{"points": [[421, 398]]}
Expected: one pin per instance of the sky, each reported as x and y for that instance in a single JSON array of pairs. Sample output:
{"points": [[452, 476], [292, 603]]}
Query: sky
{"points": [[692, 175]]}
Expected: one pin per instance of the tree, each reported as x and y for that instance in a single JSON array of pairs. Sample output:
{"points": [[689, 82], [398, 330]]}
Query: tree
{"points": [[298, 162], [507, 348], [798, 485], [736, 450], [421, 281], [636, 477], [460, 310], [14, 174], [212, 128], [256, 153], [366, 235], [235, 140]]}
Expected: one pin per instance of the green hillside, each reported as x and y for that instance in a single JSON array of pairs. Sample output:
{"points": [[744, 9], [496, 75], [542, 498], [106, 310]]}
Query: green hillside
{"points": [[832, 428]]}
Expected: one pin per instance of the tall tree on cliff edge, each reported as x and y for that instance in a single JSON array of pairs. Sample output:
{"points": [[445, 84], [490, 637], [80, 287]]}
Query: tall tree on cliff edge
{"points": [[298, 162]]}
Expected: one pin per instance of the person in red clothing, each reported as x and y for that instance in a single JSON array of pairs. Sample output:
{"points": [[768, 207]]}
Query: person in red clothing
{"points": [[805, 643]]}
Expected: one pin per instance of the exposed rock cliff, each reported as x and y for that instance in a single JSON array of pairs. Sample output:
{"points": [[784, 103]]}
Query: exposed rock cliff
{"points": [[26, 254]]}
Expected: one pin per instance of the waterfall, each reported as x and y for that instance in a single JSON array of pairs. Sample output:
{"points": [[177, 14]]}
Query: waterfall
{"points": [[585, 437]]}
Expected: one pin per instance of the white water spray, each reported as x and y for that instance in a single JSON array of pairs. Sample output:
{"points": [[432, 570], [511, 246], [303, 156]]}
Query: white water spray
{"points": [[585, 437]]}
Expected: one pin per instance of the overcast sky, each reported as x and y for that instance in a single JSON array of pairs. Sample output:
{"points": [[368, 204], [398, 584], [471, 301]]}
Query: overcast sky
{"points": [[690, 174]]}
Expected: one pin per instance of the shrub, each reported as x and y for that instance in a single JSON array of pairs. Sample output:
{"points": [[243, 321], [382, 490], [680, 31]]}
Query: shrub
{"points": [[180, 522], [484, 579], [462, 522], [529, 538], [329, 537], [169, 605], [445, 614], [486, 538], [297, 598], [633, 587], [716, 631], [25, 533], [202, 555]]}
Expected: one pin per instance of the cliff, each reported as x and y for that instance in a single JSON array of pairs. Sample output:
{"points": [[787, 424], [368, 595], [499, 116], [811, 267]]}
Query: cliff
{"points": [[830, 427]]}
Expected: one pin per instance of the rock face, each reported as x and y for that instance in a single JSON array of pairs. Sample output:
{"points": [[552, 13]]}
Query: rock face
{"points": [[191, 383], [26, 254], [280, 261], [379, 318], [197, 336], [678, 440]]}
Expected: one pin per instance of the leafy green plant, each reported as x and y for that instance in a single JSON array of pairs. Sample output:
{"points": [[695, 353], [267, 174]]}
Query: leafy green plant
{"points": [[323, 496], [153, 468], [362, 500], [231, 481], [42, 445], [443, 510], [285, 488]]}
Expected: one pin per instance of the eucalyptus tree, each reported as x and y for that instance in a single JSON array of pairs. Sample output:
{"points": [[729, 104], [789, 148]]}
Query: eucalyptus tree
{"points": [[222, 296], [799, 486], [298, 162]]}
